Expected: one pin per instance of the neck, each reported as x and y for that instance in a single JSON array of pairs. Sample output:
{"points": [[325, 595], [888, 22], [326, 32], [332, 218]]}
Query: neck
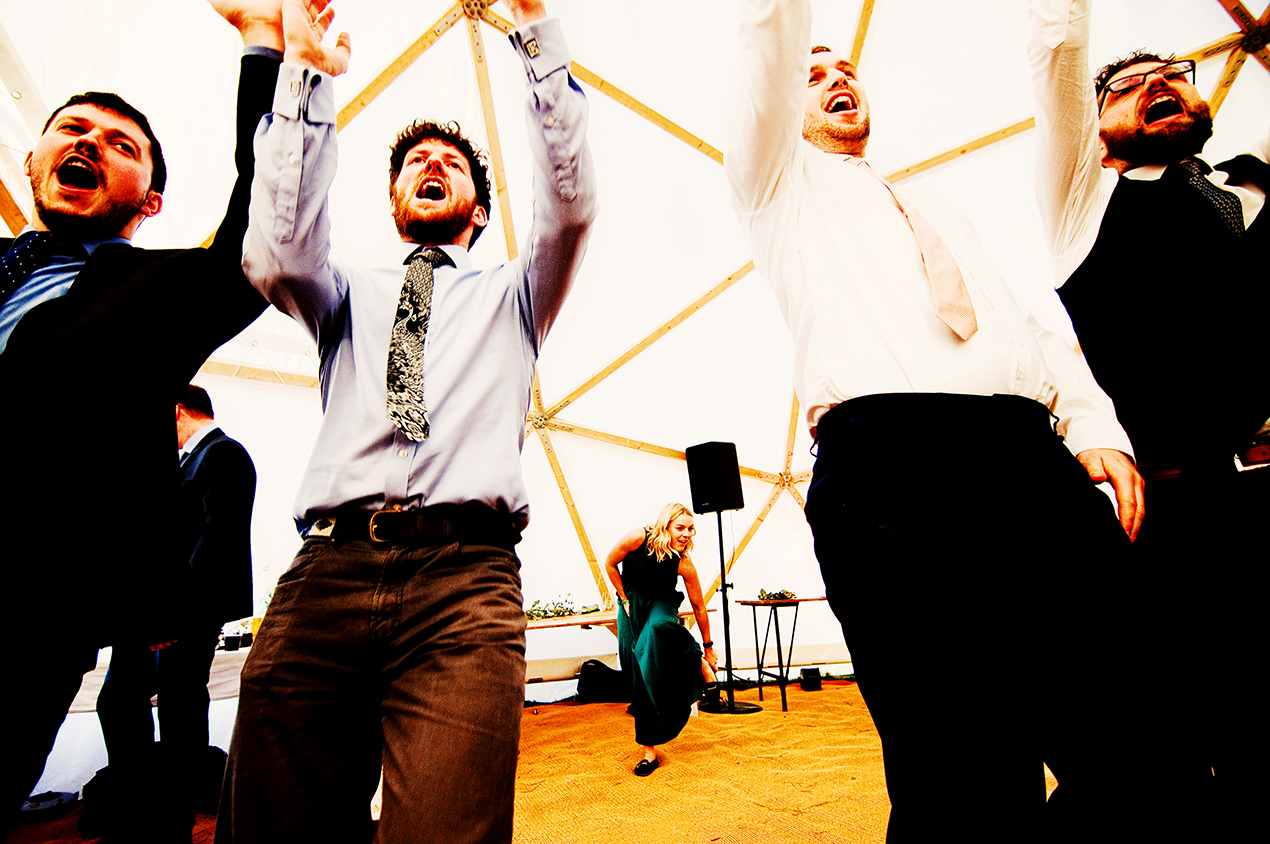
{"points": [[188, 428]]}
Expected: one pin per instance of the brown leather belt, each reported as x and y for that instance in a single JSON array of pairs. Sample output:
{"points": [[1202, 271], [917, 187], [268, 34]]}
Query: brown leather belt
{"points": [[436, 525]]}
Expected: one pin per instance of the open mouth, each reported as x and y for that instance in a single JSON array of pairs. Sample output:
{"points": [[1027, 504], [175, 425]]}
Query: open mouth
{"points": [[77, 174], [432, 190], [840, 102], [1162, 107]]}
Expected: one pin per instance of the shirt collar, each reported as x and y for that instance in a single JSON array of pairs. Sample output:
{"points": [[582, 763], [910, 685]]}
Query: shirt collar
{"points": [[197, 437], [89, 245], [461, 257], [1145, 173]]}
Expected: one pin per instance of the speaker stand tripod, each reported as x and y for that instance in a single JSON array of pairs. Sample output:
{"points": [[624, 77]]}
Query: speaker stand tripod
{"points": [[733, 706]]}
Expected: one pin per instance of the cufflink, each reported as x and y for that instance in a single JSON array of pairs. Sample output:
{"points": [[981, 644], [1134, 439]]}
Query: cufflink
{"points": [[532, 49], [294, 87]]}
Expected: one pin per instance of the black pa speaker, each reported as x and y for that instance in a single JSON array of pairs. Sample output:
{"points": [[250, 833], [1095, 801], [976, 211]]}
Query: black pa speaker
{"points": [[715, 477]]}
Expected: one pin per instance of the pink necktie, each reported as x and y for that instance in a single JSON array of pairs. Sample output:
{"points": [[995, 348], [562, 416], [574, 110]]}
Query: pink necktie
{"points": [[947, 286]]}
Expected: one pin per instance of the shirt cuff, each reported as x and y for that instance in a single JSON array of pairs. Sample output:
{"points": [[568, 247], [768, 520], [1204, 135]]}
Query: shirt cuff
{"points": [[540, 45], [1090, 433], [303, 92], [262, 50]]}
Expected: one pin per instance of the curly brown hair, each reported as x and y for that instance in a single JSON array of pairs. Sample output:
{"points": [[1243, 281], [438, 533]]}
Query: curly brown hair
{"points": [[422, 130]]}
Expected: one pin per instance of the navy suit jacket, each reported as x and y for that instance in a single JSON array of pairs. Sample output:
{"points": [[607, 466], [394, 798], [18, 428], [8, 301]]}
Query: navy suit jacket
{"points": [[88, 383], [218, 488]]}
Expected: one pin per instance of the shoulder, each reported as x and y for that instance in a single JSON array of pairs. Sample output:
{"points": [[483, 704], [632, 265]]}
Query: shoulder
{"points": [[222, 448], [634, 540]]}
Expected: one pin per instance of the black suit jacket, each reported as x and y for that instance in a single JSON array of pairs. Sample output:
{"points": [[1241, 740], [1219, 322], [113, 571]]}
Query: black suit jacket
{"points": [[89, 382], [218, 488]]}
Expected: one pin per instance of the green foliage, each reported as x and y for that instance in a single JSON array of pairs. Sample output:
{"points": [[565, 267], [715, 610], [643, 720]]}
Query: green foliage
{"points": [[779, 595], [556, 609]]}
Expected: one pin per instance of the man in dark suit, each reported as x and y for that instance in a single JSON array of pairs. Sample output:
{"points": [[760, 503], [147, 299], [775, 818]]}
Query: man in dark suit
{"points": [[96, 518], [218, 487]]}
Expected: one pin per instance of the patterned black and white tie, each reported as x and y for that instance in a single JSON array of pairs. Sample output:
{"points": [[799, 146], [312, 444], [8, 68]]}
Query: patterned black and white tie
{"points": [[27, 254], [1194, 173], [406, 408]]}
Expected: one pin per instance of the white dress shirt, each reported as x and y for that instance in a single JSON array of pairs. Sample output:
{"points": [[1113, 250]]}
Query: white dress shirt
{"points": [[486, 325], [847, 272]]}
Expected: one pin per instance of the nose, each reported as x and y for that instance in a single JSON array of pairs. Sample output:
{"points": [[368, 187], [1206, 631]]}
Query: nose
{"points": [[88, 145], [432, 164]]}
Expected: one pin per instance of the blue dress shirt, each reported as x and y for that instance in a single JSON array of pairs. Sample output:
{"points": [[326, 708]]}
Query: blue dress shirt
{"points": [[486, 325], [52, 280]]}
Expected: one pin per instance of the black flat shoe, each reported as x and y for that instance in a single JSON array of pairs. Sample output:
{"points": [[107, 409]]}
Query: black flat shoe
{"points": [[645, 767]]}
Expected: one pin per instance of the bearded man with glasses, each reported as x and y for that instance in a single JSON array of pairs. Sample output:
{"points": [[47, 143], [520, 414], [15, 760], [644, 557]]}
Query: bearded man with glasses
{"points": [[1159, 260]]}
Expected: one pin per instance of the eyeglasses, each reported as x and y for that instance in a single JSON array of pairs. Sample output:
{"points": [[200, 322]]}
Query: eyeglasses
{"points": [[1125, 84]]}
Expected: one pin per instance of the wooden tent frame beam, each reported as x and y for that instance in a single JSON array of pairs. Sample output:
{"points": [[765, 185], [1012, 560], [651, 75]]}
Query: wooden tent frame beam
{"points": [[861, 31], [491, 133], [398, 66], [1255, 33], [661, 331], [616, 94]]}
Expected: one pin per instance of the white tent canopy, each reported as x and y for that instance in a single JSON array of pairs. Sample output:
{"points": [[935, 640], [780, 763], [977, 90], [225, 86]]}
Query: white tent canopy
{"points": [[668, 339]]}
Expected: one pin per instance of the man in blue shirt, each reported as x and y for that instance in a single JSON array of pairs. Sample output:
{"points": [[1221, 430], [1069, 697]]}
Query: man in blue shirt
{"points": [[397, 637]]}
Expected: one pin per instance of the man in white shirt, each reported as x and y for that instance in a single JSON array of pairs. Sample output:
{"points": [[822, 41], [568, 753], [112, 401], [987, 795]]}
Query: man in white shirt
{"points": [[1158, 259], [397, 637], [957, 530]]}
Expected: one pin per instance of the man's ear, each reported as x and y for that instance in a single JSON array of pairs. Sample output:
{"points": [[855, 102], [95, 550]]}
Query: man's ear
{"points": [[152, 205], [479, 218]]}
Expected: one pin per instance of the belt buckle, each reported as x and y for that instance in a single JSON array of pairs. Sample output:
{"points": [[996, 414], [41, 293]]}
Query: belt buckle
{"points": [[395, 510], [1255, 456]]}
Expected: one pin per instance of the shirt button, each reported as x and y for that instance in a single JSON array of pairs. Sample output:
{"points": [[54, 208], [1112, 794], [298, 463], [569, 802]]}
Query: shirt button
{"points": [[403, 453], [551, 121]]}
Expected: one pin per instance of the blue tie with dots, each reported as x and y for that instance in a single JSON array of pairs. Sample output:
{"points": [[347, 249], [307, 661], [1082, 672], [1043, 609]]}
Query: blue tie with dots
{"points": [[28, 253], [1195, 173]]}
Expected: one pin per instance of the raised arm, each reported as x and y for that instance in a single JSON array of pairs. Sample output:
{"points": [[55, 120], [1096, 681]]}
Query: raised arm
{"points": [[232, 304], [775, 40], [628, 543], [1068, 152], [692, 585], [564, 174], [286, 250]]}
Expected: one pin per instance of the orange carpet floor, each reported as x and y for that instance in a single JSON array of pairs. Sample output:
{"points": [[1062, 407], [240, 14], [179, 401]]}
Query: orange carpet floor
{"points": [[813, 773]]}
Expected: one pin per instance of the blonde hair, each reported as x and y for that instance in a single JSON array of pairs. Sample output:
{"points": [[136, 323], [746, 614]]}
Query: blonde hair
{"points": [[659, 531]]}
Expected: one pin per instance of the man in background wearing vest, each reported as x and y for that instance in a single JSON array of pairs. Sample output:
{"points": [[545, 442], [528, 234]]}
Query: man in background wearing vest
{"points": [[1161, 262]]}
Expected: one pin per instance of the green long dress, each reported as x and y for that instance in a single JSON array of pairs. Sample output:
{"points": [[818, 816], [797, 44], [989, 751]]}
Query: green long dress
{"points": [[662, 657]]}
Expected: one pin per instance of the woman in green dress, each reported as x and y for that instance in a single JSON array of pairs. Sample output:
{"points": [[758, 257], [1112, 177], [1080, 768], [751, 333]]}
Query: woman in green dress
{"points": [[669, 671]]}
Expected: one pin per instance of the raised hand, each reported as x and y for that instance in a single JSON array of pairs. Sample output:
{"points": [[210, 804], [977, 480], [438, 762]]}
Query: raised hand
{"points": [[258, 21], [524, 11], [304, 24]]}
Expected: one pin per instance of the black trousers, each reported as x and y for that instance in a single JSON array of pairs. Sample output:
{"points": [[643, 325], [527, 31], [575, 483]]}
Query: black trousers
{"points": [[980, 580], [45, 679], [175, 776], [1203, 543]]}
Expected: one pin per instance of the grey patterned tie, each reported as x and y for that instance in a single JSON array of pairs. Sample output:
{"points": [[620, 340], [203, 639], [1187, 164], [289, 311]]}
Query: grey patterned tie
{"points": [[406, 409], [27, 254], [1194, 173]]}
